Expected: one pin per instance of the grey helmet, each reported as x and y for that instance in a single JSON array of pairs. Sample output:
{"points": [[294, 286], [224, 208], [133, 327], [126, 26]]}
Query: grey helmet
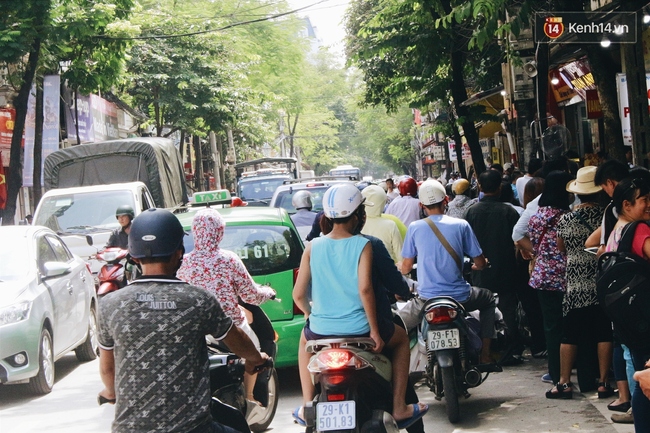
{"points": [[125, 209], [155, 233], [302, 200]]}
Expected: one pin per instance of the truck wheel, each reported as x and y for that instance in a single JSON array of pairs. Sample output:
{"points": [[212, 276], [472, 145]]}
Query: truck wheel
{"points": [[43, 382], [89, 348], [451, 393]]}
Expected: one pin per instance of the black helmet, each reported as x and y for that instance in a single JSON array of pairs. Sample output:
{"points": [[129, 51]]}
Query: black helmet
{"points": [[155, 233], [125, 209]]}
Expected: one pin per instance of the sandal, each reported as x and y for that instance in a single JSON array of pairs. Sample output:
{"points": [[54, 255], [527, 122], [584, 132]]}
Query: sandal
{"points": [[609, 391], [562, 391]]}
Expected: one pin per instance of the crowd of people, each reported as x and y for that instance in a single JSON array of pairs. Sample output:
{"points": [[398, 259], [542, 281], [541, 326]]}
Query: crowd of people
{"points": [[528, 236]]}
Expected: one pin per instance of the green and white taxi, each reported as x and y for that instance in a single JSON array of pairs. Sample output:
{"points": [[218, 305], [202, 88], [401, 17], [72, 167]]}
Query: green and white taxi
{"points": [[269, 245]]}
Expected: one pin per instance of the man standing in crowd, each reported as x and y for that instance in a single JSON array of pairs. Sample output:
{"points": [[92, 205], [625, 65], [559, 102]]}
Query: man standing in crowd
{"points": [[406, 207], [153, 355], [492, 222]]}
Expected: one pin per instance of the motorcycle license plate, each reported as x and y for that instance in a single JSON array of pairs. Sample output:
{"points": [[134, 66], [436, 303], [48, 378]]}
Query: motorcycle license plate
{"points": [[338, 415], [444, 339]]}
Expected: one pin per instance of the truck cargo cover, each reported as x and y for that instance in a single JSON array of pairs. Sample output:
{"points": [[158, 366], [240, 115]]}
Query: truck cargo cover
{"points": [[152, 160]]}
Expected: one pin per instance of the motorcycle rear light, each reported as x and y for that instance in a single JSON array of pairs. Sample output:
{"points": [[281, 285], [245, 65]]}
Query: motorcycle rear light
{"points": [[439, 315], [335, 397], [334, 379], [334, 359]]}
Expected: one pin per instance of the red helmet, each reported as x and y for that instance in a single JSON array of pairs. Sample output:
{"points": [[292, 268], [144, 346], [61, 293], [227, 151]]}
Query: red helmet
{"points": [[408, 186], [236, 201]]}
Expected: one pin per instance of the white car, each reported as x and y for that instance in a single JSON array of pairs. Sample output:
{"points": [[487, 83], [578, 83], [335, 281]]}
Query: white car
{"points": [[48, 306]]}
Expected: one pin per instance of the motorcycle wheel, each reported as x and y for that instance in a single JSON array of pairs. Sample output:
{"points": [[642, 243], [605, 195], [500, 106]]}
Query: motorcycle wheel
{"points": [[451, 394], [272, 405]]}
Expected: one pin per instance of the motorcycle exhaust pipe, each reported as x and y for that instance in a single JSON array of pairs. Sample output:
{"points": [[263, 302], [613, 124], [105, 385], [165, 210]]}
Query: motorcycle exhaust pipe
{"points": [[473, 377]]}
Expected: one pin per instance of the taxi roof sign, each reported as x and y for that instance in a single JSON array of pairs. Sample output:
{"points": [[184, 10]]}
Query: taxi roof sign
{"points": [[220, 196]]}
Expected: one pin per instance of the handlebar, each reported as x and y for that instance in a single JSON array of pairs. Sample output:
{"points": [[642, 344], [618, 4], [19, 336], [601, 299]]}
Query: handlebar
{"points": [[266, 364]]}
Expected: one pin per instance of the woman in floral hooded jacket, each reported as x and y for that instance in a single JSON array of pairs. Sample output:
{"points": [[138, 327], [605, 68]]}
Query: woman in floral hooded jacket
{"points": [[222, 273]]}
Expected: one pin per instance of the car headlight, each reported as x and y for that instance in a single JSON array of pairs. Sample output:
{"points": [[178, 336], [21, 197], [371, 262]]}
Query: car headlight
{"points": [[15, 313]]}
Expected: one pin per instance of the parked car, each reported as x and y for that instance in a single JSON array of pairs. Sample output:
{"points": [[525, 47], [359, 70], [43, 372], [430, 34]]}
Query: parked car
{"points": [[48, 306], [269, 245]]}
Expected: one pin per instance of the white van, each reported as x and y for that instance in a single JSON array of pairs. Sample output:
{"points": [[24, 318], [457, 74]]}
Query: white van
{"points": [[76, 212]]}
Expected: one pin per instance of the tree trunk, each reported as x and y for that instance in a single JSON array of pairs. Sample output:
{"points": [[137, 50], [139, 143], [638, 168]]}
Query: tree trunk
{"points": [[198, 164], [604, 71], [38, 146], [15, 177], [76, 115], [459, 147]]}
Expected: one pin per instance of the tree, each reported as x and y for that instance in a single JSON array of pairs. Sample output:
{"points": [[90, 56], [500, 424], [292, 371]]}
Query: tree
{"points": [[408, 56], [23, 27]]}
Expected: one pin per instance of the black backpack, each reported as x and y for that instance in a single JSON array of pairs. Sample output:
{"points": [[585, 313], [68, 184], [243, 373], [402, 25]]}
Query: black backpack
{"points": [[623, 290]]}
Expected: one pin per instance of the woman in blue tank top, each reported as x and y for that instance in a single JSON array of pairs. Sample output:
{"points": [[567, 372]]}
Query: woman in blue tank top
{"points": [[334, 290]]}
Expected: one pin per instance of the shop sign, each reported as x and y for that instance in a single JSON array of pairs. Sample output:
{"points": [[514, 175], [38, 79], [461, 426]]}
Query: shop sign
{"points": [[579, 75], [438, 152], [594, 110], [624, 106], [562, 91], [7, 120], [97, 119]]}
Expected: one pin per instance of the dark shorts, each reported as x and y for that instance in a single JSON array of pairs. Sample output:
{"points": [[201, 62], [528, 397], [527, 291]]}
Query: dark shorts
{"points": [[587, 324], [386, 332]]}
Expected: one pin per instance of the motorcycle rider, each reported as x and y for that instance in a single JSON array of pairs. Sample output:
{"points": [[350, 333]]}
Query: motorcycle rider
{"points": [[222, 273], [120, 237], [153, 359], [406, 207], [440, 274], [344, 303], [304, 218]]}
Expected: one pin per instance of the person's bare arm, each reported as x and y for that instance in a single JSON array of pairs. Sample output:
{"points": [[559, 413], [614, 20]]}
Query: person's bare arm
{"points": [[560, 245], [368, 295], [242, 346], [407, 265], [480, 263], [301, 288], [594, 239], [107, 373], [525, 247], [643, 377]]}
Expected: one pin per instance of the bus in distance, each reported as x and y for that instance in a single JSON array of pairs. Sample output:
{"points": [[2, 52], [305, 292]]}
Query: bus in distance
{"points": [[346, 170]]}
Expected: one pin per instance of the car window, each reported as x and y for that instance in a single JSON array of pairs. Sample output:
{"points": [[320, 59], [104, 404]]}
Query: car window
{"points": [[73, 211], [259, 189], [45, 253], [284, 198], [60, 251], [263, 249]]}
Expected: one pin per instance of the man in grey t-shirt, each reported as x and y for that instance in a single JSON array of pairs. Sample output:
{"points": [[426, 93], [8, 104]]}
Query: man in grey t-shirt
{"points": [[153, 355]]}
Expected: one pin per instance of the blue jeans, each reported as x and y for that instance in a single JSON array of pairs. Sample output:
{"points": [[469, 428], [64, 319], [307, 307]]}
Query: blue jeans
{"points": [[214, 427], [640, 403]]}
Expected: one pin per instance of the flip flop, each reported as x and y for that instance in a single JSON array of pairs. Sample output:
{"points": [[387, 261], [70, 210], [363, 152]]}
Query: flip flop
{"points": [[102, 400], [297, 419], [417, 414]]}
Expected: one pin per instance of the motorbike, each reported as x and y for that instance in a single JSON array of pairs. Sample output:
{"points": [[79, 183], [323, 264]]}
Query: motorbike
{"points": [[450, 338], [353, 385], [227, 381], [111, 276]]}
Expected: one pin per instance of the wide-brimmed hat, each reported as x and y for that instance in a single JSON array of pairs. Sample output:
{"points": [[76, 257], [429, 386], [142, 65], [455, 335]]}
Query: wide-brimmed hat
{"points": [[584, 182]]}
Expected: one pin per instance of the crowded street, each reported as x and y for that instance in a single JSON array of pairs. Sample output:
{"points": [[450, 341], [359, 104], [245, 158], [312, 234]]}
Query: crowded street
{"points": [[508, 402]]}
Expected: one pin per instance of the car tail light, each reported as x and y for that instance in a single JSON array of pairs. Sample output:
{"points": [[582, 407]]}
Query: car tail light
{"points": [[311, 185], [335, 397], [335, 359], [441, 314], [334, 379]]}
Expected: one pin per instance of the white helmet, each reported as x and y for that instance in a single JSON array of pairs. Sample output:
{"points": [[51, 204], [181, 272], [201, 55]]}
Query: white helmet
{"points": [[431, 192], [341, 200], [302, 200]]}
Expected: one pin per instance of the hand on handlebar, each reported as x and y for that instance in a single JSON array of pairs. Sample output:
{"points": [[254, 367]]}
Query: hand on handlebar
{"points": [[252, 368]]}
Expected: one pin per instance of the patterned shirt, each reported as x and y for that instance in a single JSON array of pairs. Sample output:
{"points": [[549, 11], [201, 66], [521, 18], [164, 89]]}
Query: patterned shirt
{"points": [[156, 328], [459, 205], [574, 228], [219, 271], [549, 271]]}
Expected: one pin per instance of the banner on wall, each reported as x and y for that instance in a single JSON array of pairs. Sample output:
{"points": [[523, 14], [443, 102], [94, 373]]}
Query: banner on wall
{"points": [[51, 105], [7, 120], [624, 106]]}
